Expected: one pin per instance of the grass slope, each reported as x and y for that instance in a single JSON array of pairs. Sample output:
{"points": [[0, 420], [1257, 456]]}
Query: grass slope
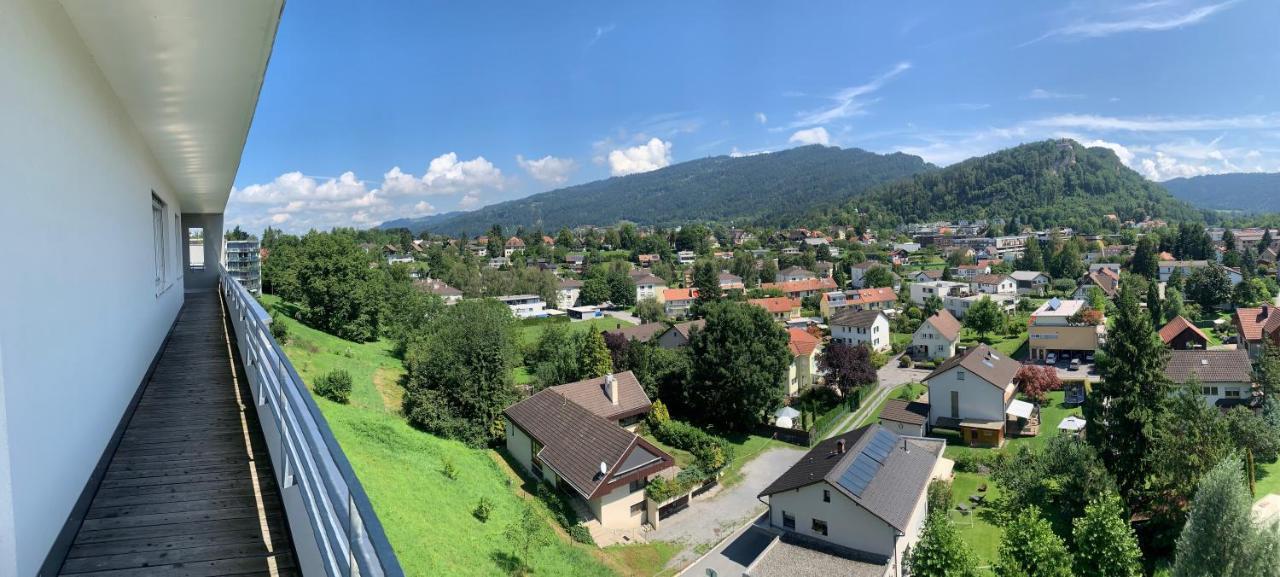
{"points": [[427, 516]]}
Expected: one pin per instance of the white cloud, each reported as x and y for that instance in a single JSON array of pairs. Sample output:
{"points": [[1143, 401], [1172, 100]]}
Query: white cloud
{"points": [[447, 175], [601, 32], [816, 135], [735, 153], [652, 155], [548, 169], [1147, 17], [1042, 94], [762, 118], [298, 202], [1123, 152], [848, 102]]}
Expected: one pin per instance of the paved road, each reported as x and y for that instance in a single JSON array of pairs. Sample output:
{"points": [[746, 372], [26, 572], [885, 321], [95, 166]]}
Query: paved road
{"points": [[891, 377], [623, 316], [732, 557], [709, 519]]}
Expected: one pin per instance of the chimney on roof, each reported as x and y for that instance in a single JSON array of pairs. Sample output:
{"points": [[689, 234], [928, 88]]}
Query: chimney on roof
{"points": [[611, 388], [840, 447], [1266, 309]]}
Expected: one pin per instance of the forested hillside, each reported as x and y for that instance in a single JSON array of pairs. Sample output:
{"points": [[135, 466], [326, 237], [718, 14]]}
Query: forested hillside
{"points": [[1049, 183], [776, 188], [1244, 192]]}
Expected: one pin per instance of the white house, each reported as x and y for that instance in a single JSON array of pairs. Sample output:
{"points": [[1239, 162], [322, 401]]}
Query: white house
{"points": [[794, 274], [994, 284], [1031, 282], [649, 286], [525, 306], [567, 293], [686, 257], [959, 306], [854, 327], [1225, 378], [973, 393], [921, 291], [1186, 267], [936, 337], [853, 505]]}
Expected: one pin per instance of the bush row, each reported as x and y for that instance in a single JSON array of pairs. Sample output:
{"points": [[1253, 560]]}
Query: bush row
{"points": [[712, 452]]}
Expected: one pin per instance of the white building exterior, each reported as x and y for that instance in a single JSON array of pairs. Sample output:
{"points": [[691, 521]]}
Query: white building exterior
{"points": [[958, 306], [525, 306], [921, 291], [857, 327]]}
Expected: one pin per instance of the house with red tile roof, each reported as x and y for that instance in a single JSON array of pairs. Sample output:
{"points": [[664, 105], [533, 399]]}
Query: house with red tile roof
{"points": [[1254, 326], [1180, 335], [781, 308], [802, 288], [805, 348], [677, 301]]}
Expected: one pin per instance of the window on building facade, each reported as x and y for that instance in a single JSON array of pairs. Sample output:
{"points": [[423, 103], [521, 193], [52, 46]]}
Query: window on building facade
{"points": [[788, 520], [819, 526], [159, 236]]}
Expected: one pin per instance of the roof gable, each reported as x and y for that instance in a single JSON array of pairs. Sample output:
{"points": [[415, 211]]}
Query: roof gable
{"points": [[985, 363]]}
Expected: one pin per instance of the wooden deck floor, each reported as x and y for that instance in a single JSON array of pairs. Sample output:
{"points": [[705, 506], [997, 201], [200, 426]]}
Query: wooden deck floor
{"points": [[190, 490]]}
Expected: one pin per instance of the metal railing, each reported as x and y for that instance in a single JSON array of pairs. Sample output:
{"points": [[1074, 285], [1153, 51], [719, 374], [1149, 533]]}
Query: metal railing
{"points": [[335, 530]]}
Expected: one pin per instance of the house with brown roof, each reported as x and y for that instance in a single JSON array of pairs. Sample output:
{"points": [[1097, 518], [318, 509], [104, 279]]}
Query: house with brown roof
{"points": [[1180, 335], [1254, 326], [794, 274], [854, 328], [1106, 279], [905, 417], [569, 437], [802, 288], [567, 293], [927, 275], [679, 334], [781, 308], [648, 286], [994, 284], [512, 245], [975, 393], [437, 287], [805, 348], [936, 337], [852, 506], [643, 332], [1225, 378], [730, 282]]}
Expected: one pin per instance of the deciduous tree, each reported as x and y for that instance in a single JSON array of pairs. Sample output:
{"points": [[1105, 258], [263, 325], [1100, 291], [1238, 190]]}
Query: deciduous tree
{"points": [[1105, 544], [848, 367], [1030, 548], [1220, 537], [1035, 381], [941, 552], [984, 317], [738, 363]]}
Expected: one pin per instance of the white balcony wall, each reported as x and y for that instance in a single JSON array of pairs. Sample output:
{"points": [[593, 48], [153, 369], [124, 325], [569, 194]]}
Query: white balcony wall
{"points": [[80, 317]]}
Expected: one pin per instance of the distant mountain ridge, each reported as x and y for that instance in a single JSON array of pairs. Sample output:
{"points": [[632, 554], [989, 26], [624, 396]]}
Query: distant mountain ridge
{"points": [[1041, 184], [1250, 192], [776, 188]]}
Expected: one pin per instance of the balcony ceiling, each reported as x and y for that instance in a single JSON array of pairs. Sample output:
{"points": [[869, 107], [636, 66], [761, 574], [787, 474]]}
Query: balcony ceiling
{"points": [[188, 72]]}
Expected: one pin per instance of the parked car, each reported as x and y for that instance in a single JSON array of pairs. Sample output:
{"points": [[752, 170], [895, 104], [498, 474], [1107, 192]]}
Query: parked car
{"points": [[1075, 364], [1051, 359]]}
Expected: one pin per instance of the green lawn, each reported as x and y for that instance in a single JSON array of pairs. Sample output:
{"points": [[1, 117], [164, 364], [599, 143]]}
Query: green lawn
{"points": [[913, 390], [427, 516], [745, 448], [982, 536], [529, 333]]}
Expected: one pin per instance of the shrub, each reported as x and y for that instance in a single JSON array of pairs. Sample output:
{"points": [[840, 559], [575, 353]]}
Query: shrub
{"points": [[580, 534], [658, 415], [335, 386], [939, 498], [483, 509], [975, 461], [447, 468], [279, 330], [712, 452]]}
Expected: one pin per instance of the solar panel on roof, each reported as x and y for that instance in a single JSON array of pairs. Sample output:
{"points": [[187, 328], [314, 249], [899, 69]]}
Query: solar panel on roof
{"points": [[880, 446], [1054, 303], [859, 474]]}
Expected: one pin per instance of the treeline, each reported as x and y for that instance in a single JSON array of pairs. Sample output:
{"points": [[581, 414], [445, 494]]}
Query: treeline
{"points": [[1042, 184], [761, 188]]}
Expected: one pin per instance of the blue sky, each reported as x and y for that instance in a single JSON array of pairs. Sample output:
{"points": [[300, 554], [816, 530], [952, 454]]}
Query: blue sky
{"points": [[374, 111]]}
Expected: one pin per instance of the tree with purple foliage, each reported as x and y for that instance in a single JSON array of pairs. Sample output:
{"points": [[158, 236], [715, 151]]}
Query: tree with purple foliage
{"points": [[619, 348], [848, 367]]}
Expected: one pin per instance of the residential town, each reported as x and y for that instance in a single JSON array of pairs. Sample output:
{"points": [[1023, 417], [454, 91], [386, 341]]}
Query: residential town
{"points": [[712, 289]]}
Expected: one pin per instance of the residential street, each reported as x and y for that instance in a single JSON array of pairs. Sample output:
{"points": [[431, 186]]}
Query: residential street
{"points": [[709, 519], [891, 376], [623, 315]]}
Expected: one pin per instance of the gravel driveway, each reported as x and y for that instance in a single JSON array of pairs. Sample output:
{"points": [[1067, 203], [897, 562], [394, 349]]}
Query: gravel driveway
{"points": [[709, 519]]}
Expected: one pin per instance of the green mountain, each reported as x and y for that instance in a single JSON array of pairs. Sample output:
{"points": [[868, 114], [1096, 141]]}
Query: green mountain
{"points": [[1054, 182], [776, 188], [1244, 192]]}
